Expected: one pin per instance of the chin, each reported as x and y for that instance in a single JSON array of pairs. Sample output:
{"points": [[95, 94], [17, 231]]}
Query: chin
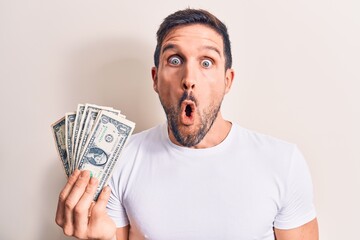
{"points": [[188, 136]]}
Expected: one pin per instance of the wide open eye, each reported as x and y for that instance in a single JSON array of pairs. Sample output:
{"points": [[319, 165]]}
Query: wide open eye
{"points": [[206, 63], [175, 60]]}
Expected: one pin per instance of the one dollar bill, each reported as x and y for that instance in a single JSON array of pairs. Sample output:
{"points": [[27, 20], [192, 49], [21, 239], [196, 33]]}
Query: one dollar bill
{"points": [[69, 126], [88, 126], [104, 145], [58, 129]]}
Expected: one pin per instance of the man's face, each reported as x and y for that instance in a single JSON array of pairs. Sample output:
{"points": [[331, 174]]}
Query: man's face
{"points": [[191, 81]]}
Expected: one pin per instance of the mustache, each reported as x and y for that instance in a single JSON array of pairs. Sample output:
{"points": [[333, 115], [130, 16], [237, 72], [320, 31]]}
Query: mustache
{"points": [[187, 96]]}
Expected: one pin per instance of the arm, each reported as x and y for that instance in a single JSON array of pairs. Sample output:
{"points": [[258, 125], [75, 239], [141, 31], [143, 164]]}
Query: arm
{"points": [[308, 231], [122, 233]]}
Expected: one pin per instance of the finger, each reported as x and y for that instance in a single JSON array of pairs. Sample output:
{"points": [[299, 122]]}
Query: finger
{"points": [[73, 198], [91, 208], [99, 215], [100, 206], [59, 218], [82, 210]]}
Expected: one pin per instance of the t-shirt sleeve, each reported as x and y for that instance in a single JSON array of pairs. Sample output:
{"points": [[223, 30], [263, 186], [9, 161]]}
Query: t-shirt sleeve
{"points": [[297, 206], [115, 206]]}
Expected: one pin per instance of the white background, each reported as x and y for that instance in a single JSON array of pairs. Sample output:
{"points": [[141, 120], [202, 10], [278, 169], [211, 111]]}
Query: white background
{"points": [[297, 78]]}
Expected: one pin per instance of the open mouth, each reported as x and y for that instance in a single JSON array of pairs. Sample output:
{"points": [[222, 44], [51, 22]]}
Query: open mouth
{"points": [[188, 110]]}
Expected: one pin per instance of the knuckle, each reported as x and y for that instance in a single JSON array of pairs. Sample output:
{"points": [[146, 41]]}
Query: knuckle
{"points": [[72, 179], [90, 189], [78, 210], [80, 183], [62, 197], [69, 205]]}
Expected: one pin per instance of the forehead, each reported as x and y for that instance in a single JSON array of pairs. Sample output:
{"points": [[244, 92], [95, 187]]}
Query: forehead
{"points": [[198, 34]]}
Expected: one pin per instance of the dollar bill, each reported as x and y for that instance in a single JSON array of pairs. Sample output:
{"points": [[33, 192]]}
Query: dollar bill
{"points": [[87, 109], [79, 113], [69, 126], [108, 137], [58, 129], [88, 125]]}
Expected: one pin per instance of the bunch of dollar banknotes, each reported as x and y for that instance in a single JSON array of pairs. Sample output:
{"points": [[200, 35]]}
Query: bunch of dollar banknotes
{"points": [[92, 138]]}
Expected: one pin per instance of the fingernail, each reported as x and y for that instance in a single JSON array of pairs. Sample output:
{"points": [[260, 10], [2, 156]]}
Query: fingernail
{"points": [[84, 174]]}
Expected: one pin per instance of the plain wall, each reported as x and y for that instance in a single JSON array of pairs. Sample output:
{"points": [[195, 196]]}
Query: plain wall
{"points": [[297, 78]]}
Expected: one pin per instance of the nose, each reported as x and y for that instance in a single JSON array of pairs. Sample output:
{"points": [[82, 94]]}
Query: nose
{"points": [[189, 77]]}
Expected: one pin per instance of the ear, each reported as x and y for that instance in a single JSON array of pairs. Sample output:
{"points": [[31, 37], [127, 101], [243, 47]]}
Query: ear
{"points": [[154, 78], [229, 77]]}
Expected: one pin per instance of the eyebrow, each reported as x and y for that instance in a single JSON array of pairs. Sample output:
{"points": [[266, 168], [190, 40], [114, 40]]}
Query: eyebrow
{"points": [[172, 46], [167, 47]]}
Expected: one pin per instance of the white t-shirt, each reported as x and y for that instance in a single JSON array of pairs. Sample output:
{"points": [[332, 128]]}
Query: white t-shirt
{"points": [[239, 189]]}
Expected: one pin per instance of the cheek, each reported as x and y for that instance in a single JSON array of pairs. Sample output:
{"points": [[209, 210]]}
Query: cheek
{"points": [[168, 78], [169, 85], [167, 94], [213, 87]]}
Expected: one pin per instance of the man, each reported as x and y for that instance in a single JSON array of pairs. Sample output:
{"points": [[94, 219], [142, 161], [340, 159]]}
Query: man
{"points": [[199, 176]]}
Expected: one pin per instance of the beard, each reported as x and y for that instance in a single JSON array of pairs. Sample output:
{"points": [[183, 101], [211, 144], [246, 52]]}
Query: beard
{"points": [[206, 118]]}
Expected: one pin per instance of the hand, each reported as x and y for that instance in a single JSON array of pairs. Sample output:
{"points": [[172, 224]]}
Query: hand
{"points": [[78, 214]]}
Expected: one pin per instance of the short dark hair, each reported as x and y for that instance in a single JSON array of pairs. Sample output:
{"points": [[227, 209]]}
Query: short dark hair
{"points": [[193, 16]]}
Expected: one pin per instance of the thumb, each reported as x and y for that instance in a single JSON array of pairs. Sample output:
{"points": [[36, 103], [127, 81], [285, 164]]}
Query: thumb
{"points": [[102, 201]]}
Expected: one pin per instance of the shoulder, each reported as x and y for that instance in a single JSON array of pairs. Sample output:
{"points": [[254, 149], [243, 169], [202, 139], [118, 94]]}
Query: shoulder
{"points": [[142, 141], [264, 142], [268, 151], [154, 133]]}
